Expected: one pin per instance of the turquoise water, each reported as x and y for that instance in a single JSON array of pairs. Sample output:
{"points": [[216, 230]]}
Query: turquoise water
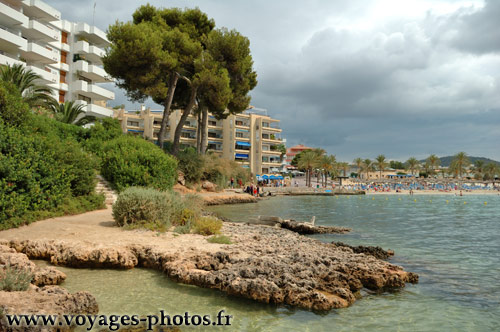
{"points": [[451, 242]]}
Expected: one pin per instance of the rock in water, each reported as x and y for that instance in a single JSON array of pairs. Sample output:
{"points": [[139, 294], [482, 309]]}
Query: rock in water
{"points": [[367, 250]]}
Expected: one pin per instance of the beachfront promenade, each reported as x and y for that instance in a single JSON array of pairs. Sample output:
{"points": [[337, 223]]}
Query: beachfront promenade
{"points": [[388, 186]]}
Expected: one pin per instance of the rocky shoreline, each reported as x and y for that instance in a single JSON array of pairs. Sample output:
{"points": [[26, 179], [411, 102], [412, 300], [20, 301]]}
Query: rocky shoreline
{"points": [[42, 295], [266, 264]]}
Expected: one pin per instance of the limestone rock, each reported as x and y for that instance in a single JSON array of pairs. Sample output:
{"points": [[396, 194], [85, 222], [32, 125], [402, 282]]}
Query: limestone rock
{"points": [[208, 186], [48, 276]]}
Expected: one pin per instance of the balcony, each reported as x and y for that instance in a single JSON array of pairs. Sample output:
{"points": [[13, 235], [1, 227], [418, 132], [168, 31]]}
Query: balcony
{"points": [[92, 72], [11, 17], [38, 31], [92, 33], [243, 146], [215, 135], [190, 124], [214, 146], [272, 126], [37, 53], [242, 123], [47, 75], [6, 60], [214, 123], [90, 52], [95, 110], [40, 10], [271, 160], [242, 157], [10, 41], [271, 138], [91, 90]]}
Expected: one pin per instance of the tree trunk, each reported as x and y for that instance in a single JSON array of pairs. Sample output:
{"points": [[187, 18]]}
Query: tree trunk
{"points": [[185, 114], [204, 125], [198, 134], [174, 77]]}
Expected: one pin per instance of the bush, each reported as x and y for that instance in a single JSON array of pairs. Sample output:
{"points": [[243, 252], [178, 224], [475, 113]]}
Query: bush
{"points": [[14, 280], [102, 131], [184, 229], [13, 111], [131, 161], [221, 239], [42, 165], [207, 226], [191, 164], [139, 207], [219, 170]]}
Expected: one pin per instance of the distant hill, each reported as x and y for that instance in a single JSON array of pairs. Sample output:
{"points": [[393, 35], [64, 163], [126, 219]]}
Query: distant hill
{"points": [[446, 161]]}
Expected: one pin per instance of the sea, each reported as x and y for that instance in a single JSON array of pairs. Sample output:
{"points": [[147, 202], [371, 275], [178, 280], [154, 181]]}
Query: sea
{"points": [[452, 242]]}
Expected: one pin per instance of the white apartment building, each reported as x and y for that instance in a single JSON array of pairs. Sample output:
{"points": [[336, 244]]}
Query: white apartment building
{"points": [[251, 138], [66, 55]]}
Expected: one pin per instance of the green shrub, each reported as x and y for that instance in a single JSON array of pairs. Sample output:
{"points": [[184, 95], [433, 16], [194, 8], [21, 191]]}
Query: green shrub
{"points": [[13, 111], [131, 161], [102, 131], [221, 239], [184, 229], [14, 280], [191, 164], [220, 170], [137, 205], [207, 226]]}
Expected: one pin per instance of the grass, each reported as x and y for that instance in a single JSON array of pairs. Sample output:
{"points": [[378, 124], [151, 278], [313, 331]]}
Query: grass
{"points": [[220, 239]]}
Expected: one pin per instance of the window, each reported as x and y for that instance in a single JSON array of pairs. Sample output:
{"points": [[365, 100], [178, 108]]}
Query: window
{"points": [[212, 123], [64, 57], [64, 37], [133, 123], [62, 76], [62, 94]]}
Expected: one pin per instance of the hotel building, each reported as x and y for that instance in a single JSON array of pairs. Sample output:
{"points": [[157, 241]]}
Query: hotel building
{"points": [[66, 55], [250, 138]]}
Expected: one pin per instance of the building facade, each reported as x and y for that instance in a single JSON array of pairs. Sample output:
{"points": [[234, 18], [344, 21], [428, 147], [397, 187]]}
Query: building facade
{"points": [[66, 55], [250, 138], [294, 150]]}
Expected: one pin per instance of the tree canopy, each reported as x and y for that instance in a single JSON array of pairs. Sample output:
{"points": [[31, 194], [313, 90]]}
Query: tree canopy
{"points": [[177, 58]]}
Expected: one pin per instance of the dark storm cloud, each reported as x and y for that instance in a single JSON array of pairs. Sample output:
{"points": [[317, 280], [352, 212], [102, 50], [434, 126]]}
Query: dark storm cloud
{"points": [[478, 32], [360, 78]]}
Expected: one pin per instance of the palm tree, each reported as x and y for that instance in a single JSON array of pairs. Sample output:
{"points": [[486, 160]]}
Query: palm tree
{"points": [[358, 162], [433, 161], [412, 164], [381, 163], [491, 171], [280, 148], [328, 164], [68, 112], [307, 161], [460, 163], [367, 166], [479, 169], [33, 94], [344, 167]]}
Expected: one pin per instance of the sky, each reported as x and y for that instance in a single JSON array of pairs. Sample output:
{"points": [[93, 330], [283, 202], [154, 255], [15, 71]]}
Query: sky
{"points": [[359, 78]]}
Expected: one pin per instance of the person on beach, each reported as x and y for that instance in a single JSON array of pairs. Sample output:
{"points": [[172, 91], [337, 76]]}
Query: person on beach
{"points": [[232, 182]]}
